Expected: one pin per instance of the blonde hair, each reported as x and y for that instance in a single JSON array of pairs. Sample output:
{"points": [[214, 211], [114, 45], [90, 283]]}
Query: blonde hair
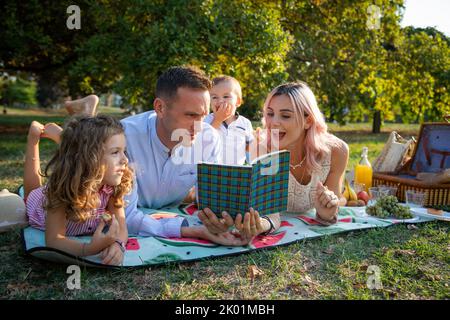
{"points": [[77, 170], [318, 141], [224, 78]]}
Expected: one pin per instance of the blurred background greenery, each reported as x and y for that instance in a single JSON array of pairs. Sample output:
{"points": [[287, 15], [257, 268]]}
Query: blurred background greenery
{"points": [[361, 64]]}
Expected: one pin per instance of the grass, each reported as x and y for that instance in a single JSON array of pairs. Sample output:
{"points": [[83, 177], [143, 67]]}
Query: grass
{"points": [[413, 262]]}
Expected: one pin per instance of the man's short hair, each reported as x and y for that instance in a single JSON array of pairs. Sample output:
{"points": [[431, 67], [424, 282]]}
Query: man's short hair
{"points": [[181, 77]]}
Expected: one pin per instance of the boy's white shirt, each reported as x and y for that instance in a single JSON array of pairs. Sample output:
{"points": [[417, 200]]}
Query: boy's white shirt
{"points": [[234, 138]]}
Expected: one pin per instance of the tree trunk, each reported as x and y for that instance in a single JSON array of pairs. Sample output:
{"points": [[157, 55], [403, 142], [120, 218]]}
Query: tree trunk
{"points": [[109, 100], [376, 125], [331, 119]]}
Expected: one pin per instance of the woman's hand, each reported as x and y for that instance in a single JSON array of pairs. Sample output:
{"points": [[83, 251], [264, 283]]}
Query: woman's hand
{"points": [[251, 226], [213, 224], [326, 202]]}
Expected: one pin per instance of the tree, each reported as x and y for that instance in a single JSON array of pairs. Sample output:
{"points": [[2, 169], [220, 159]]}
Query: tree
{"points": [[356, 71], [124, 45], [137, 40], [19, 91], [343, 60], [35, 40], [426, 68]]}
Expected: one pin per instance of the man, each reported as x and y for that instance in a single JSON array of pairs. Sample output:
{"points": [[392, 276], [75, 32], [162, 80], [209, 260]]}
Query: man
{"points": [[164, 147]]}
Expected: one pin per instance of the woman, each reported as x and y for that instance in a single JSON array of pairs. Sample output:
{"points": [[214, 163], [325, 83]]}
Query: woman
{"points": [[317, 163]]}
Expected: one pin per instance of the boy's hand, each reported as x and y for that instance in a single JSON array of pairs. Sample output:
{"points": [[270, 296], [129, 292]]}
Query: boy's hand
{"points": [[223, 112]]}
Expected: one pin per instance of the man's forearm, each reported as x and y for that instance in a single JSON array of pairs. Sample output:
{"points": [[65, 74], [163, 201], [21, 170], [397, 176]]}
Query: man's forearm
{"points": [[193, 232]]}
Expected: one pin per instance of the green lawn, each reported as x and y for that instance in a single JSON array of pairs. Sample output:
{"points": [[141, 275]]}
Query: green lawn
{"points": [[413, 261]]}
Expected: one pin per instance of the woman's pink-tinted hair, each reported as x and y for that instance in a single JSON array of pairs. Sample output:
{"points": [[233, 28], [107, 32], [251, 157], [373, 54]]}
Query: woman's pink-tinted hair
{"points": [[317, 139]]}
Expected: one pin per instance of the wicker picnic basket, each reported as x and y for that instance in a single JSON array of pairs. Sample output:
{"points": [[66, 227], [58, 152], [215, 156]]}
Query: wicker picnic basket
{"points": [[431, 154]]}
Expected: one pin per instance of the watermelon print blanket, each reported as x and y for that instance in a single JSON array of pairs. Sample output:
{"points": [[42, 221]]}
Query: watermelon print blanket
{"points": [[150, 251]]}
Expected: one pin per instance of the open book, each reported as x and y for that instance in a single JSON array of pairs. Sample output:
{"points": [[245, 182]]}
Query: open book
{"points": [[262, 185]]}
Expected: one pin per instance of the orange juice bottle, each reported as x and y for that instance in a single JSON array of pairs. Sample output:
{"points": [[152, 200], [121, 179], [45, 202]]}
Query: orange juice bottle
{"points": [[363, 170]]}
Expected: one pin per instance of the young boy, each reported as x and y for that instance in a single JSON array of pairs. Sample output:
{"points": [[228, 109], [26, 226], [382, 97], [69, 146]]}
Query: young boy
{"points": [[235, 130]]}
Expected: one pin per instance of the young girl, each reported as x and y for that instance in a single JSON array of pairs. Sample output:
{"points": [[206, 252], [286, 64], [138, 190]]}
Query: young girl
{"points": [[87, 177], [235, 130], [317, 163]]}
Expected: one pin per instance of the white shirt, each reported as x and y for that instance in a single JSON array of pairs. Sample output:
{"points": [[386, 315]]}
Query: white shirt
{"points": [[234, 137], [162, 179]]}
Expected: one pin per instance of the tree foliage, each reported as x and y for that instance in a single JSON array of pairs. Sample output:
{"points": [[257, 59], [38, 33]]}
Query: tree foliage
{"points": [[137, 40], [34, 39], [356, 70], [18, 91]]}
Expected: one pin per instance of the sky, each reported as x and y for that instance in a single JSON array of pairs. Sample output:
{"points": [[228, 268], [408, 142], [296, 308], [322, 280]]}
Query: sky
{"points": [[427, 13]]}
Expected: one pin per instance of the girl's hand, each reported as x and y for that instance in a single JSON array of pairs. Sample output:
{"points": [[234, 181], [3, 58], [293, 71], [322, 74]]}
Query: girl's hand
{"points": [[102, 240], [223, 112], [326, 202], [112, 255], [213, 224], [251, 226]]}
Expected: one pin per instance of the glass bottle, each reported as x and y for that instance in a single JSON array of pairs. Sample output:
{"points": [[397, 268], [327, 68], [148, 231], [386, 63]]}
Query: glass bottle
{"points": [[363, 170]]}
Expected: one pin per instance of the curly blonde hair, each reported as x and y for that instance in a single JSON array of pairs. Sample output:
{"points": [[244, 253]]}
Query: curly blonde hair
{"points": [[77, 170]]}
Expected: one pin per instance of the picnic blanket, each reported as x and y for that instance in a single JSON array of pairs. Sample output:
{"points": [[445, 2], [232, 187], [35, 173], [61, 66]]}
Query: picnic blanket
{"points": [[150, 251]]}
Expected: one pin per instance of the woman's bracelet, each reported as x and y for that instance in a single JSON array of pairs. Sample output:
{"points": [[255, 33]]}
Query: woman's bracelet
{"points": [[272, 227]]}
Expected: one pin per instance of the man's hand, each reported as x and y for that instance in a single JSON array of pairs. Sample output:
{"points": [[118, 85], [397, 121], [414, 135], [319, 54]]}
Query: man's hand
{"points": [[212, 223], [226, 238]]}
